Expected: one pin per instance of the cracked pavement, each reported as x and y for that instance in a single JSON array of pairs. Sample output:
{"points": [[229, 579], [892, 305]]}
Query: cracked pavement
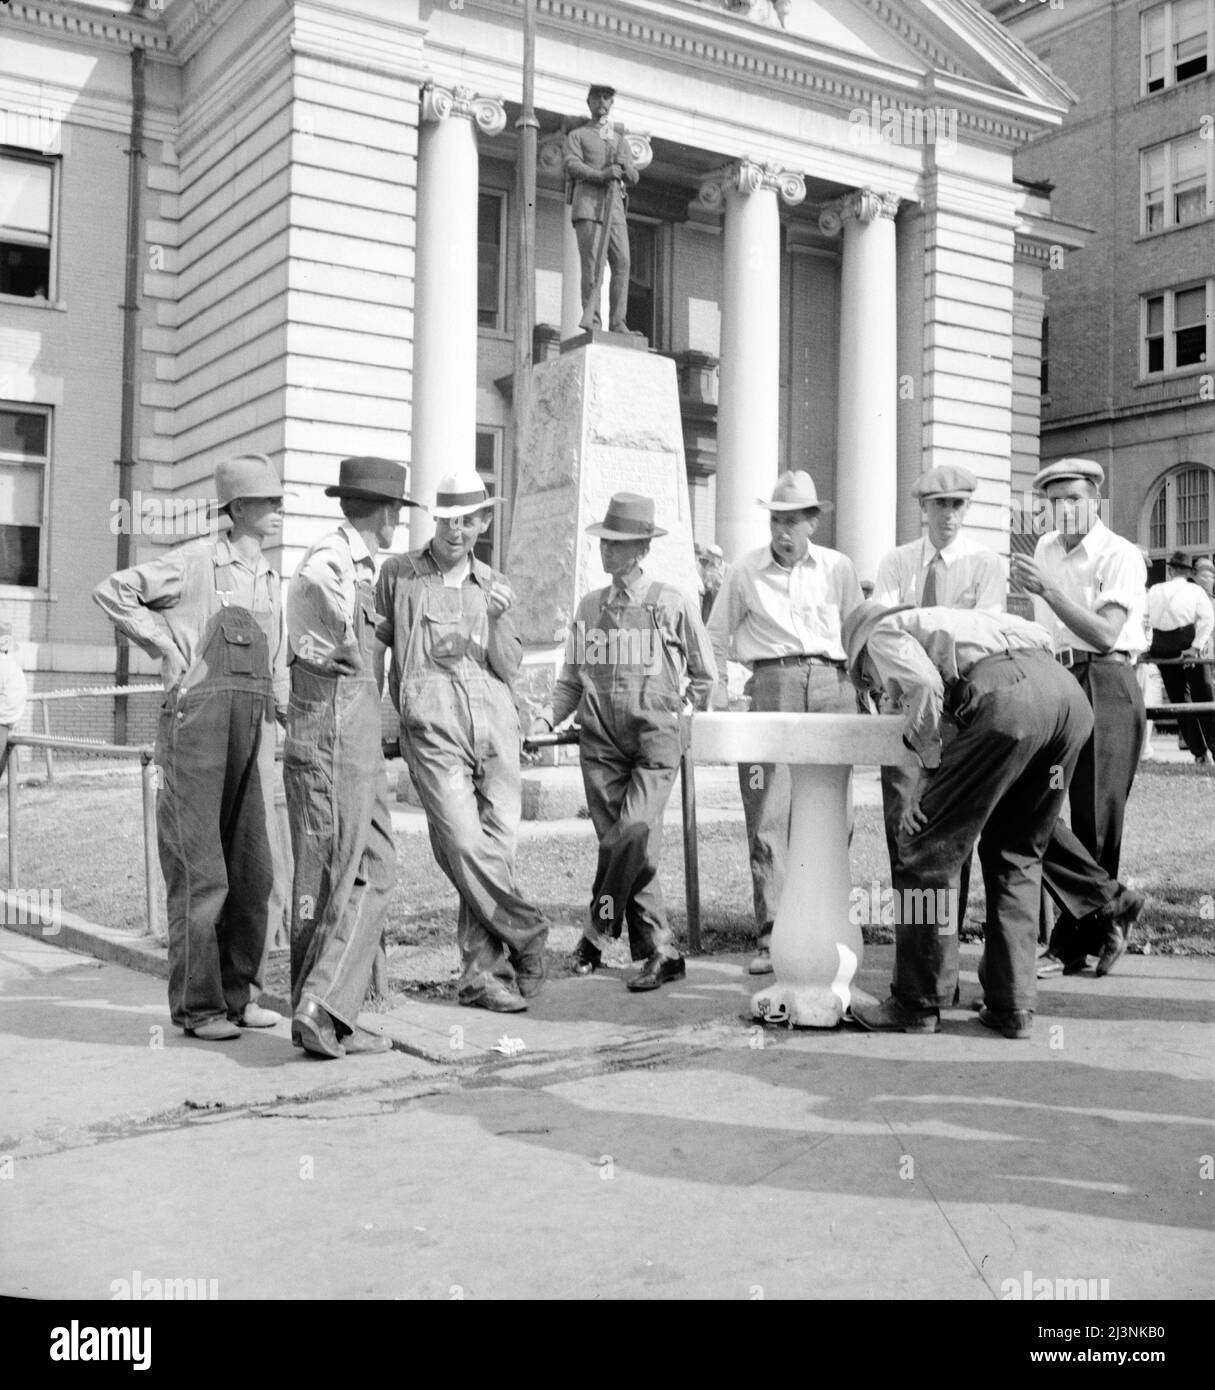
{"points": [[637, 1147]]}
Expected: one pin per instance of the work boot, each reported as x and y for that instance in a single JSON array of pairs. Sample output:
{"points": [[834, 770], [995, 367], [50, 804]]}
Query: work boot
{"points": [[586, 958], [495, 995], [1013, 1023], [893, 1016]]}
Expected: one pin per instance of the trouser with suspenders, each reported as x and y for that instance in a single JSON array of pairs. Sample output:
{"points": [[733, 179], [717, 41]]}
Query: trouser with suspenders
{"points": [[341, 828], [211, 818], [631, 742], [460, 737]]}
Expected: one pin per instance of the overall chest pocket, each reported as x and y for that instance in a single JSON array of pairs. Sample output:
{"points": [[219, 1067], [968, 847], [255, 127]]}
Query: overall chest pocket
{"points": [[238, 648]]}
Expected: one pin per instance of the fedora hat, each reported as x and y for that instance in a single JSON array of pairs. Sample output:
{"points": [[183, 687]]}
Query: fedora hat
{"points": [[1179, 560], [946, 480], [858, 627], [246, 475], [630, 517], [372, 480], [461, 493], [794, 492]]}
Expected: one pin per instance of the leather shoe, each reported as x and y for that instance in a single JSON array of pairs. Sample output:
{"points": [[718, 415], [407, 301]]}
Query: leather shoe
{"points": [[893, 1016], [658, 970], [1013, 1023], [312, 1029], [1112, 949], [1050, 965], [762, 964], [255, 1016], [363, 1040], [214, 1030], [495, 996], [586, 959]]}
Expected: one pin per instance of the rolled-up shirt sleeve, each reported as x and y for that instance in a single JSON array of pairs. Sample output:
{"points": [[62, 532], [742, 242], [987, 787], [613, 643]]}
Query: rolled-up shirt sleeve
{"points": [[913, 683]]}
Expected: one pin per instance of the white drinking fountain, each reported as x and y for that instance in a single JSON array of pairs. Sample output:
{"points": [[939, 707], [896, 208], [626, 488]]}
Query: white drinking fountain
{"points": [[816, 949]]}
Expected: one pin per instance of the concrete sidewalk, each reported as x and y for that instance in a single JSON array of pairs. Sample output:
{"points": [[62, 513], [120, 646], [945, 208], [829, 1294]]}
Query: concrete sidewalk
{"points": [[659, 1146]]}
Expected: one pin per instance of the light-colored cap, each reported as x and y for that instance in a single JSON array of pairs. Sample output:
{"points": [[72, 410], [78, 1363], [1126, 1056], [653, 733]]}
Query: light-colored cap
{"points": [[462, 493], [795, 491], [948, 480], [1068, 470]]}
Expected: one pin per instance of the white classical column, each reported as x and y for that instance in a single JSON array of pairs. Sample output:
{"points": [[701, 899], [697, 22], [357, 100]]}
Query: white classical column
{"points": [[445, 290], [571, 263], [866, 479], [748, 399]]}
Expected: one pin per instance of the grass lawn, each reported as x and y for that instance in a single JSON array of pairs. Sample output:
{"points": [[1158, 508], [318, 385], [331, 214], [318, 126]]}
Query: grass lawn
{"points": [[84, 836]]}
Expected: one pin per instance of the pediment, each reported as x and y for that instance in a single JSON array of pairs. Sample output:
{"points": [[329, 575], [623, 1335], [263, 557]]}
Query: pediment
{"points": [[952, 39]]}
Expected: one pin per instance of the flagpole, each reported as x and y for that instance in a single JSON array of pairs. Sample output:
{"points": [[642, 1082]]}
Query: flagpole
{"points": [[525, 278]]}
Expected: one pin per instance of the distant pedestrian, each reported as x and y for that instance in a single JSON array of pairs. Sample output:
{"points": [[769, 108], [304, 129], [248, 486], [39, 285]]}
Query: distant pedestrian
{"points": [[1182, 620], [12, 690]]}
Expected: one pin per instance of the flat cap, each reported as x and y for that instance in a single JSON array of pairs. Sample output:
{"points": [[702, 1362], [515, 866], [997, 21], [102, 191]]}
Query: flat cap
{"points": [[948, 480], [1067, 470]]}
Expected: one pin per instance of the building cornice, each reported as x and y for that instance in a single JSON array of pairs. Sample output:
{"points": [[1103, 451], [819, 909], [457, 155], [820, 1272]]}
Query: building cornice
{"points": [[736, 49], [89, 25]]}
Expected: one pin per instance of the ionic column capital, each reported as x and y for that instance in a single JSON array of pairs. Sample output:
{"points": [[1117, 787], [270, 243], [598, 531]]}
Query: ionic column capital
{"points": [[487, 113], [747, 176], [862, 205]]}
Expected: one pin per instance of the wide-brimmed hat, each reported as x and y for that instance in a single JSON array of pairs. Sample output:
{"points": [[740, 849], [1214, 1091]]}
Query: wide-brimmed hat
{"points": [[947, 480], [461, 493], [1179, 560], [246, 475], [630, 517], [372, 480], [1204, 566], [859, 625], [794, 492], [1067, 470]]}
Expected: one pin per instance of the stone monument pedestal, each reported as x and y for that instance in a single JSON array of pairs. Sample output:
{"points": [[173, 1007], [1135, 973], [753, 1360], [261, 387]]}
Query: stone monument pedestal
{"points": [[604, 418]]}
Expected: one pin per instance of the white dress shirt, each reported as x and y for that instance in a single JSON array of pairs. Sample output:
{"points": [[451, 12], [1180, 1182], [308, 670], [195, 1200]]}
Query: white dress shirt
{"points": [[1177, 603], [764, 610], [970, 575], [1102, 570]]}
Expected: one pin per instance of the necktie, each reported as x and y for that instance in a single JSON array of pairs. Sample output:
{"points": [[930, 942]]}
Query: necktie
{"points": [[929, 598]]}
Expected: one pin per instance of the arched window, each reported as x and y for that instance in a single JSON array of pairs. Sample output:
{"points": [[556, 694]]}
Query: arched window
{"points": [[1180, 511]]}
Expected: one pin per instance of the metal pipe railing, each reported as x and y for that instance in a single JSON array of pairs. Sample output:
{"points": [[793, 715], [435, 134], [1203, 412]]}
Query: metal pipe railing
{"points": [[149, 780]]}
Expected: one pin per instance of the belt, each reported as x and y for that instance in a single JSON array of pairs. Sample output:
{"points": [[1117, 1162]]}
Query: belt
{"points": [[1072, 657], [796, 659]]}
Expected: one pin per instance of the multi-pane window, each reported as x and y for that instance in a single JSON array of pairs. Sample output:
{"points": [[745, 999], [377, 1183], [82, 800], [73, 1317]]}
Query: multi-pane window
{"points": [[489, 466], [24, 456], [1178, 182], [1177, 330], [1182, 510], [491, 242], [1176, 40], [27, 206]]}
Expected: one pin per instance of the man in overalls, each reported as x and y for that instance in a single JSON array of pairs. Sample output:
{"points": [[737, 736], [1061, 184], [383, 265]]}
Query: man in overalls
{"points": [[212, 611], [631, 649], [455, 654], [333, 765]]}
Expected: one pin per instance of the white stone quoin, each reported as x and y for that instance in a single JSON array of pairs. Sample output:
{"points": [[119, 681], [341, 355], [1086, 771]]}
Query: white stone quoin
{"points": [[445, 334], [748, 401], [866, 479]]}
